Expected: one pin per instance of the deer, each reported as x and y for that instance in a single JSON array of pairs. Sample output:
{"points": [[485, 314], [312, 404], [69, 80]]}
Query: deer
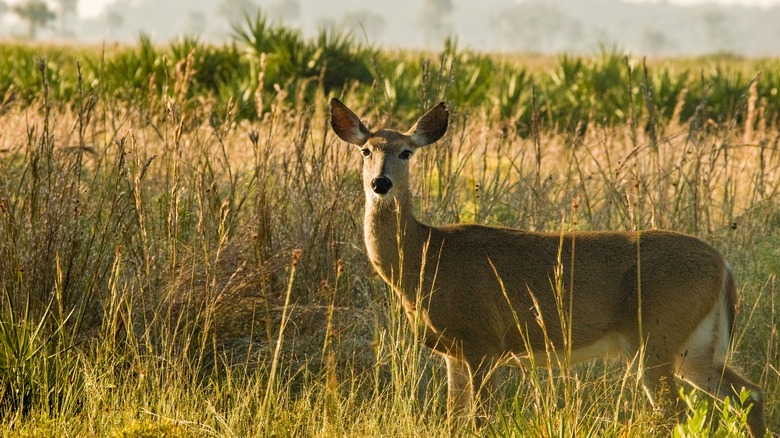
{"points": [[485, 296]]}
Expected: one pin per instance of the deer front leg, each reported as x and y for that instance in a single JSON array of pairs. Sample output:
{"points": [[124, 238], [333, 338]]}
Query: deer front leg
{"points": [[470, 391], [459, 390]]}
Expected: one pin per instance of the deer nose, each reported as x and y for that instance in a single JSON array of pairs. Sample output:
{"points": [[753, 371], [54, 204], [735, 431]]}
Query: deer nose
{"points": [[381, 185]]}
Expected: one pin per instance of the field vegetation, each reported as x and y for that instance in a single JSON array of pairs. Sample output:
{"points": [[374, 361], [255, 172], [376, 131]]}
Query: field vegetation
{"points": [[181, 235]]}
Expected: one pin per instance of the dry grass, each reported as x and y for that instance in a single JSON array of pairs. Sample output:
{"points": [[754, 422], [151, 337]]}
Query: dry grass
{"points": [[170, 240]]}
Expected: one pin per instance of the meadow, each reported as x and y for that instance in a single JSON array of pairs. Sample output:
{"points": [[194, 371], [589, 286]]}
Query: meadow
{"points": [[181, 246]]}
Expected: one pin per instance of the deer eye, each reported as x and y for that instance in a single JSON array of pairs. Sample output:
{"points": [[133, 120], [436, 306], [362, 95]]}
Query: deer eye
{"points": [[365, 152], [405, 155]]}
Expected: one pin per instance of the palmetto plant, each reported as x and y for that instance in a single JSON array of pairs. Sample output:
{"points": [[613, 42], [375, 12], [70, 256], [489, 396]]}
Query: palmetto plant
{"points": [[571, 93], [332, 59]]}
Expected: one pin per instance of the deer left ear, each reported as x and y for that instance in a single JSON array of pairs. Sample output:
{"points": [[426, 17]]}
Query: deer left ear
{"points": [[430, 127]]}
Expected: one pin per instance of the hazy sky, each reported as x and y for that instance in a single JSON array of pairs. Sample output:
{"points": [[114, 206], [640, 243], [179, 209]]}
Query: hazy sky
{"points": [[91, 8]]}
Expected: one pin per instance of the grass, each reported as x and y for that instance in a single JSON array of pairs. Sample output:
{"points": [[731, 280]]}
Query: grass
{"points": [[165, 273]]}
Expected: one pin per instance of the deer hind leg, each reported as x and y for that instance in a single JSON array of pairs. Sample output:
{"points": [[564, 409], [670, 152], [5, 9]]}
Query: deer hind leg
{"points": [[701, 361], [732, 385], [661, 388], [709, 374], [657, 376], [483, 381]]}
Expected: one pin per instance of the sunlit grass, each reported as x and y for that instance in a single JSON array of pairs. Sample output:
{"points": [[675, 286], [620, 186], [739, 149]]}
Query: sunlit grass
{"points": [[148, 281]]}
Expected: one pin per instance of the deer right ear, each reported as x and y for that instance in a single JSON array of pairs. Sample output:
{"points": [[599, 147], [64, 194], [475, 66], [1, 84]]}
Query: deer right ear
{"points": [[346, 124]]}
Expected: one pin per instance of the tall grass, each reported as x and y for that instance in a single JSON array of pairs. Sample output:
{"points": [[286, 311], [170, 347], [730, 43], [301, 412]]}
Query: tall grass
{"points": [[171, 268]]}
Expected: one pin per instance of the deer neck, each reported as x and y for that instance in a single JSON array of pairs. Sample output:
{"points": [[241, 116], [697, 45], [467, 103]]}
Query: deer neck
{"points": [[393, 236]]}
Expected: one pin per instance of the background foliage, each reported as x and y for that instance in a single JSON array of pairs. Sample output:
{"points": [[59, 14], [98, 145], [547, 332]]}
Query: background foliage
{"points": [[605, 90]]}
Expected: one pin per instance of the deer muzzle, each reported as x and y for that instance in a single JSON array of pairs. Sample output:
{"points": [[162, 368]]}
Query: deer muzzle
{"points": [[381, 185]]}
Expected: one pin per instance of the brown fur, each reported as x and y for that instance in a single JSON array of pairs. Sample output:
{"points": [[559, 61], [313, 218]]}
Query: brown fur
{"points": [[484, 296]]}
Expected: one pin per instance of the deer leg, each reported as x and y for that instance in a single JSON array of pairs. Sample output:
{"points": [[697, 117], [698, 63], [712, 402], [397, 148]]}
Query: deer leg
{"points": [[459, 389], [732, 386], [483, 382], [659, 384], [657, 377], [721, 381]]}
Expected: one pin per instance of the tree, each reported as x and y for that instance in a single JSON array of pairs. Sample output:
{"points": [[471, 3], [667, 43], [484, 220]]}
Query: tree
{"points": [[68, 11], [719, 30], [363, 20], [539, 27], [35, 13], [655, 41], [235, 10], [435, 19], [286, 10], [195, 23], [114, 19]]}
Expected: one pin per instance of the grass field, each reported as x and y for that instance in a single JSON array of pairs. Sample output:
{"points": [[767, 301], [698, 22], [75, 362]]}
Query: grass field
{"points": [[171, 266]]}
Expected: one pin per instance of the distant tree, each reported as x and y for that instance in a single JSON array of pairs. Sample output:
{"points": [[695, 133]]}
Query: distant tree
{"points": [[326, 23], [35, 13], [3, 7], [286, 10], [435, 19], [235, 10], [364, 20], [195, 23], [539, 26], [719, 30], [655, 41], [68, 11], [114, 19]]}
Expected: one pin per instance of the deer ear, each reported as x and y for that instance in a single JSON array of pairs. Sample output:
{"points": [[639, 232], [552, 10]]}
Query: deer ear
{"points": [[430, 127], [346, 124]]}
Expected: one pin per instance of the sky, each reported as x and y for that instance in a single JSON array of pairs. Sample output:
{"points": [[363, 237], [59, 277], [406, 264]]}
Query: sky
{"points": [[92, 8]]}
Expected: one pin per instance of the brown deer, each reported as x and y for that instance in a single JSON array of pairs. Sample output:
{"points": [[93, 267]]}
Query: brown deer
{"points": [[485, 296]]}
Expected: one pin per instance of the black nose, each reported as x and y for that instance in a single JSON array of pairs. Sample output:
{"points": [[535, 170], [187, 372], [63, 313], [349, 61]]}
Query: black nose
{"points": [[381, 185]]}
